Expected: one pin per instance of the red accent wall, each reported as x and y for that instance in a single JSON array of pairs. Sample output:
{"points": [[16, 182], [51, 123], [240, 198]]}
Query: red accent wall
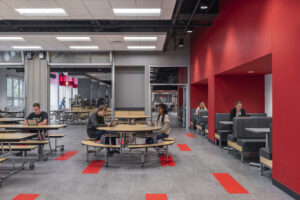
{"points": [[199, 92], [286, 93], [243, 32]]}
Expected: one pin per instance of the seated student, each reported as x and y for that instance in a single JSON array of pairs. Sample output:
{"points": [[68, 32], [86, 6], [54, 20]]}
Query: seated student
{"points": [[238, 111], [40, 116], [97, 120], [201, 107], [163, 121]]}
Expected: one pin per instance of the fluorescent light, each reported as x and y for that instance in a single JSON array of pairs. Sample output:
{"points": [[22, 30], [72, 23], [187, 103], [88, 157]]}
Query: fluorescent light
{"points": [[141, 47], [84, 47], [42, 11], [11, 38], [26, 47], [204, 7], [142, 38], [76, 38], [251, 72], [137, 11]]}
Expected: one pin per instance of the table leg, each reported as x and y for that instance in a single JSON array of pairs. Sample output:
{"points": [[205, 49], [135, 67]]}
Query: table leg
{"points": [[267, 142]]}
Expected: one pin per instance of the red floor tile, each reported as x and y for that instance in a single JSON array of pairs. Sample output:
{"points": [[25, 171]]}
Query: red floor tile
{"points": [[184, 147], [94, 167], [26, 197], [156, 197], [230, 184], [164, 163], [191, 135], [67, 155]]}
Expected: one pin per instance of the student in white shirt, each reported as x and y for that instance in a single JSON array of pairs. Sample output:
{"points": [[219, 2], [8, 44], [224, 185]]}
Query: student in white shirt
{"points": [[163, 121], [201, 107]]}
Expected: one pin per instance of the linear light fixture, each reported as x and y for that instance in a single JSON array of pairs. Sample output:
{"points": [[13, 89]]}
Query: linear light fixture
{"points": [[71, 38], [11, 38], [140, 38], [141, 47], [137, 11], [41, 11], [84, 47], [27, 47]]}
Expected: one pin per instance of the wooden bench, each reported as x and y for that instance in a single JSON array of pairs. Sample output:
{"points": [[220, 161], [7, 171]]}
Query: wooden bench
{"points": [[264, 162], [56, 136], [19, 148], [98, 145], [168, 139], [217, 138], [9, 131], [199, 127], [155, 145], [2, 159]]}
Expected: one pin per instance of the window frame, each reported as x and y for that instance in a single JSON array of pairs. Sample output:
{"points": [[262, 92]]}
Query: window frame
{"points": [[18, 97]]}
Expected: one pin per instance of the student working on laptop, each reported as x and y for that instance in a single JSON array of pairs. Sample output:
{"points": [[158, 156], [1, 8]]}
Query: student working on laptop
{"points": [[238, 111], [163, 121], [97, 120], [40, 116]]}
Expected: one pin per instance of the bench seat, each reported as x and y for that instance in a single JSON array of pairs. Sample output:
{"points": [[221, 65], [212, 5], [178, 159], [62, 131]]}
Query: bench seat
{"points": [[264, 153], [19, 147], [94, 144], [9, 131], [2, 159], [56, 135], [223, 134], [251, 144], [231, 138], [31, 142], [161, 144], [168, 139], [266, 162]]}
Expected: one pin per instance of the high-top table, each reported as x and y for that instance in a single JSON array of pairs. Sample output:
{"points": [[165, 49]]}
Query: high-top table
{"points": [[226, 122], [125, 129], [8, 139], [260, 131]]}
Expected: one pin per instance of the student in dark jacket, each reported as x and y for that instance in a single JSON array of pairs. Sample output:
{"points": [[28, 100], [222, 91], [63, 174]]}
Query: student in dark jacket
{"points": [[238, 111], [97, 120]]}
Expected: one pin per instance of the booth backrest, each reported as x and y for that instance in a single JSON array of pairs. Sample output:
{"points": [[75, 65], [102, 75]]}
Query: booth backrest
{"points": [[193, 111], [270, 141], [257, 114], [240, 123], [222, 117], [202, 113]]}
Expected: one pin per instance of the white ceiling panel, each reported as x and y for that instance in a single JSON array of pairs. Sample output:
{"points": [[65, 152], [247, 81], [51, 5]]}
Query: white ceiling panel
{"points": [[105, 42], [78, 9]]}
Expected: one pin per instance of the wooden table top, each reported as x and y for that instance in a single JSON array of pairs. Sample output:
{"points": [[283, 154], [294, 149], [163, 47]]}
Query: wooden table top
{"points": [[21, 126], [15, 136], [11, 119], [132, 117], [130, 128]]}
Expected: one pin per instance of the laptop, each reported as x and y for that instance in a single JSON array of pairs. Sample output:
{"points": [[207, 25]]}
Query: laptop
{"points": [[150, 123], [32, 122], [113, 123]]}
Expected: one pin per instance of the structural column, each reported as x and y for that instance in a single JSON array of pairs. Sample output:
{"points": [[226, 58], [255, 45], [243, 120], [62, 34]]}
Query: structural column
{"points": [[37, 83]]}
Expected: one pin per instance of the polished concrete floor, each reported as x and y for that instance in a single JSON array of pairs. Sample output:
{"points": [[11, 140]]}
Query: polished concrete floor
{"points": [[190, 179]]}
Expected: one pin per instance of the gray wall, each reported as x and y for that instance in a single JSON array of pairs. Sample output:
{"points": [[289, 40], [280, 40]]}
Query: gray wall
{"points": [[130, 90], [3, 74], [84, 89], [178, 57]]}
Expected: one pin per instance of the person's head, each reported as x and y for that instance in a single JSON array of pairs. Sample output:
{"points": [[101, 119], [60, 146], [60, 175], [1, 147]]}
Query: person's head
{"points": [[162, 109], [101, 110], [202, 105], [36, 108], [238, 105]]}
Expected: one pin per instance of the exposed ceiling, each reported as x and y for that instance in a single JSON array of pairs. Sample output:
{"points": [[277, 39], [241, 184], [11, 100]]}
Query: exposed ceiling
{"points": [[96, 17]]}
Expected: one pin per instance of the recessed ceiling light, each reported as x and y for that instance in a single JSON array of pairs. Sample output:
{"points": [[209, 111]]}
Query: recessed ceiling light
{"points": [[203, 7], [42, 11], [75, 38], [11, 38], [189, 30], [137, 11], [141, 47], [27, 47], [140, 38], [251, 72], [84, 47]]}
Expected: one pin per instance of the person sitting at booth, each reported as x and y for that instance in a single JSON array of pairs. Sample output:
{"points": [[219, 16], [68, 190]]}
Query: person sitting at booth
{"points": [[40, 116], [238, 111], [201, 107], [97, 120], [163, 121]]}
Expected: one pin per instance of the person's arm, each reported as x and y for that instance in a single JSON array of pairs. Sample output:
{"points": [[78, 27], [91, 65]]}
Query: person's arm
{"points": [[165, 127], [95, 122], [197, 110], [243, 112], [45, 119], [28, 117]]}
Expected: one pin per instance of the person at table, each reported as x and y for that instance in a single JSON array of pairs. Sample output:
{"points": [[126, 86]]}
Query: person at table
{"points": [[97, 120], [201, 107], [163, 121], [238, 111], [40, 116]]}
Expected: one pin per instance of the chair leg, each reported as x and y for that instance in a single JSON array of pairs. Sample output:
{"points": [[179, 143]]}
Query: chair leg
{"points": [[167, 153], [220, 143], [242, 157], [261, 169], [106, 161], [87, 153]]}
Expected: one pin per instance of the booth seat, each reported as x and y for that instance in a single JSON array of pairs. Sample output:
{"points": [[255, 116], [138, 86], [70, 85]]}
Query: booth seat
{"points": [[202, 121], [244, 142], [193, 119], [265, 155]]}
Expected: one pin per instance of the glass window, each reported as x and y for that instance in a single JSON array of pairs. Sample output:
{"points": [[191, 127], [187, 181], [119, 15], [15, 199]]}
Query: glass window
{"points": [[9, 87], [16, 88]]}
